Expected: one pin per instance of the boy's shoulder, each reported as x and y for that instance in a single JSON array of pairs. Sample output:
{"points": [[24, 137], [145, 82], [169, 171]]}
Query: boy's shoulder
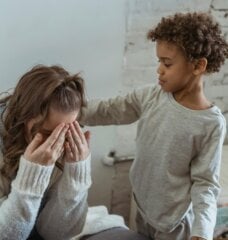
{"points": [[149, 91]]}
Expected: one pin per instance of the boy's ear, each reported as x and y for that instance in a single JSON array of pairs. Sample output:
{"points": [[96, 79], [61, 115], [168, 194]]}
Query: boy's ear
{"points": [[200, 66]]}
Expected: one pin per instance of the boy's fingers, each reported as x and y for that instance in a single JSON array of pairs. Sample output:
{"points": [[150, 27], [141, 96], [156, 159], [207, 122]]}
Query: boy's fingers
{"points": [[35, 143]]}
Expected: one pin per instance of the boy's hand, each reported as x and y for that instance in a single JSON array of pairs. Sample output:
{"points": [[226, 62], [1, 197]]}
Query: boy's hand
{"points": [[47, 152], [77, 145]]}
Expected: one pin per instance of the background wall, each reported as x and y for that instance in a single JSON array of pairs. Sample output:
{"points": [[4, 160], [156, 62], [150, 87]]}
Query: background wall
{"points": [[80, 35], [106, 41], [140, 61]]}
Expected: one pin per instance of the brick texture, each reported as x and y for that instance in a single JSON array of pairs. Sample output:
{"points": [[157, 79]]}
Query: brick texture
{"points": [[140, 62]]}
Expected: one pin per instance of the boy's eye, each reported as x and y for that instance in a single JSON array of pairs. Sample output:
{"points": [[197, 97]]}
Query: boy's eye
{"points": [[164, 63]]}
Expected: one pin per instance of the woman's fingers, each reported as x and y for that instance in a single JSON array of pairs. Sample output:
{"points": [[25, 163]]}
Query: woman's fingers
{"points": [[59, 142], [48, 152], [87, 135], [34, 144], [79, 132], [59, 132], [72, 143], [77, 143], [68, 153]]}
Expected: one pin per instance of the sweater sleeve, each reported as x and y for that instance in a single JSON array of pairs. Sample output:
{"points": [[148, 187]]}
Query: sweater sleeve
{"points": [[19, 207], [64, 213], [120, 110], [205, 189]]}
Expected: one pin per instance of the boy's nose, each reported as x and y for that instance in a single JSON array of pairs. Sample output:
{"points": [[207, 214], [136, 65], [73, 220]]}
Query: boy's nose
{"points": [[159, 70]]}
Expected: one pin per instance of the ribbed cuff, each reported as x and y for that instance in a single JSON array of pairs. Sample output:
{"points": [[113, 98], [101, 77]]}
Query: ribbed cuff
{"points": [[32, 178], [78, 172]]}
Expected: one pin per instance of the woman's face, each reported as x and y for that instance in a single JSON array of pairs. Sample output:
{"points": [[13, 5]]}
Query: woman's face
{"points": [[54, 118]]}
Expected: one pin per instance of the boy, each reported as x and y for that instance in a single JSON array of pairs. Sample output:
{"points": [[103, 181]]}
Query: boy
{"points": [[180, 133]]}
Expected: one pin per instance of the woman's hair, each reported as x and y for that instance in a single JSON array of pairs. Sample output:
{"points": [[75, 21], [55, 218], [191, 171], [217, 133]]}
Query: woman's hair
{"points": [[197, 34], [37, 91]]}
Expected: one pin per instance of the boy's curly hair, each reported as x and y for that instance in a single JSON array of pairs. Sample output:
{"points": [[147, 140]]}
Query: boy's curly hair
{"points": [[198, 34]]}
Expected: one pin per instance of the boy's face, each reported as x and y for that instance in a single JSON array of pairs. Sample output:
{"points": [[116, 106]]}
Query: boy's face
{"points": [[175, 72]]}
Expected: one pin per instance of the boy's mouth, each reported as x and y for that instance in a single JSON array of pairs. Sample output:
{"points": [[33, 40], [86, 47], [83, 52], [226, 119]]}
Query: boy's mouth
{"points": [[161, 82]]}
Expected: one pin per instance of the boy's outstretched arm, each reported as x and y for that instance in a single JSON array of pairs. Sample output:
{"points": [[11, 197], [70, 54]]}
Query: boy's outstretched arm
{"points": [[116, 111]]}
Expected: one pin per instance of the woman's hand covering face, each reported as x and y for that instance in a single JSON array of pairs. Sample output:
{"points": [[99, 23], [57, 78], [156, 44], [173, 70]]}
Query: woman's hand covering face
{"points": [[77, 143], [47, 152]]}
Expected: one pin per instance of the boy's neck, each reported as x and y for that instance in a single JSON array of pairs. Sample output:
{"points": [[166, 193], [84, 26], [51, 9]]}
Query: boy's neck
{"points": [[193, 97]]}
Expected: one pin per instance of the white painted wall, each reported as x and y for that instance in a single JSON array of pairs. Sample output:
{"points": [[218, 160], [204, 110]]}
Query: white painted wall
{"points": [[80, 35]]}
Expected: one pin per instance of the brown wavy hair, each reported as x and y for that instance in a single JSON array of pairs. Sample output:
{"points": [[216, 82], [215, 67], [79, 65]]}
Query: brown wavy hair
{"points": [[39, 89], [197, 34]]}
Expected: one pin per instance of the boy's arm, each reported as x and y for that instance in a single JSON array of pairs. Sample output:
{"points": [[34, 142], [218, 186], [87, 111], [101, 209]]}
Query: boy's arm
{"points": [[115, 111], [205, 189]]}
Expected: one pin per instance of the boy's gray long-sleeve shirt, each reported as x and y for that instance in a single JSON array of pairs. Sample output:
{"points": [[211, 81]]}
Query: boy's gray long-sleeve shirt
{"points": [[178, 153]]}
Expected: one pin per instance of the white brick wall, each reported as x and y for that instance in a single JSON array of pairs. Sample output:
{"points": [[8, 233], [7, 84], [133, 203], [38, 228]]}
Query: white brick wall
{"points": [[140, 62], [219, 4]]}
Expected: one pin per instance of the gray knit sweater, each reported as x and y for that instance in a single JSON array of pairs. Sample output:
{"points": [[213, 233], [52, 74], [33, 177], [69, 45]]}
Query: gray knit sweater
{"points": [[178, 153], [63, 196]]}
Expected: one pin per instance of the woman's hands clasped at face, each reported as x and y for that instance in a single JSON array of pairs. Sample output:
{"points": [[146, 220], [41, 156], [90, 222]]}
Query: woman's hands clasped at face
{"points": [[65, 138], [77, 144], [47, 152]]}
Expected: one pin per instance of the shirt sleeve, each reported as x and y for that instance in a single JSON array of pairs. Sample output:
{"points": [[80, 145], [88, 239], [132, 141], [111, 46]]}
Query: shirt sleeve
{"points": [[205, 189], [19, 207], [64, 213], [120, 110]]}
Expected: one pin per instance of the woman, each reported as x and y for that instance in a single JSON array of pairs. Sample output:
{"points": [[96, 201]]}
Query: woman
{"points": [[45, 158]]}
